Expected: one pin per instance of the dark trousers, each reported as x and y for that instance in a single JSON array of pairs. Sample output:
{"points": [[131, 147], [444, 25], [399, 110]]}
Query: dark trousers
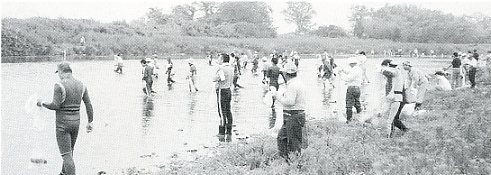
{"points": [[472, 76], [224, 96], [290, 134], [169, 77], [148, 87], [352, 99], [235, 81], [119, 69], [396, 122]]}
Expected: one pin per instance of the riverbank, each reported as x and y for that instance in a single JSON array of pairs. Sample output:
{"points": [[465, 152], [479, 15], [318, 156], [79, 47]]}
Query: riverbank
{"points": [[453, 136]]}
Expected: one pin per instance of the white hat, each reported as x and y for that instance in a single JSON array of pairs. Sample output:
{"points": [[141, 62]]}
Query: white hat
{"points": [[191, 61], [352, 60]]}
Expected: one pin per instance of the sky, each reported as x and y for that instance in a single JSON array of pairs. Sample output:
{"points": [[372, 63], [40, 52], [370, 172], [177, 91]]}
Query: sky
{"points": [[327, 12]]}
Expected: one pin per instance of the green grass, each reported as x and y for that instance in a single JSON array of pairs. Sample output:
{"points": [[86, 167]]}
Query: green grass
{"points": [[452, 137]]}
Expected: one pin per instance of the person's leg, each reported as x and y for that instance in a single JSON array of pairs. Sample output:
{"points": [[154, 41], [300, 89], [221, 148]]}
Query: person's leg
{"points": [[228, 112], [149, 87], [472, 76], [357, 95], [398, 123], [235, 81], [65, 137], [456, 78], [393, 108], [350, 102], [229, 120], [221, 126], [193, 80], [421, 95], [282, 145], [294, 131]]}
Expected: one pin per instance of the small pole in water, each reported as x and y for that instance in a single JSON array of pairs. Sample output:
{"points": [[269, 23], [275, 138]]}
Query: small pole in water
{"points": [[64, 55]]}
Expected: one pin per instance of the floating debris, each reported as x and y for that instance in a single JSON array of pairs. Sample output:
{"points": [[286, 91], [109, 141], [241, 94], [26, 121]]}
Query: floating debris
{"points": [[39, 161]]}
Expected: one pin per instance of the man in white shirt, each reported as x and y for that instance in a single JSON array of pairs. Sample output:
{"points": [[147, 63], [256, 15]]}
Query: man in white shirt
{"points": [[119, 63], [354, 79], [472, 65]]}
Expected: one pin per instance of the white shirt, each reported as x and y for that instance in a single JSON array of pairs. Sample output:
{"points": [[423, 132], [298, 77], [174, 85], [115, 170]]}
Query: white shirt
{"points": [[443, 82], [361, 59], [354, 76]]}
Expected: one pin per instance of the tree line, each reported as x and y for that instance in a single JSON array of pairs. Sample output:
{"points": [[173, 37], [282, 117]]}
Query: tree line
{"points": [[408, 23], [201, 27]]}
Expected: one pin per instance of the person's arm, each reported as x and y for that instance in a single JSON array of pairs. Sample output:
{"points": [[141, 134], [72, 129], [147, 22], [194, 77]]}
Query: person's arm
{"points": [[58, 98], [88, 105], [89, 109], [387, 72]]}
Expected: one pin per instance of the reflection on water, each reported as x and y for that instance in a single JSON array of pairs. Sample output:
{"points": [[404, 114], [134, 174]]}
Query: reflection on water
{"points": [[192, 103], [147, 112]]}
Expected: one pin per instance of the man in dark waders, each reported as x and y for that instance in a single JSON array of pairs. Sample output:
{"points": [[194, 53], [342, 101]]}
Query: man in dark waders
{"points": [[223, 81], [293, 101], [68, 94]]}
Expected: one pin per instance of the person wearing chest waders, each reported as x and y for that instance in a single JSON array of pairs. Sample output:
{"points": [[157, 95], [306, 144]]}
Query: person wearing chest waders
{"points": [[68, 95]]}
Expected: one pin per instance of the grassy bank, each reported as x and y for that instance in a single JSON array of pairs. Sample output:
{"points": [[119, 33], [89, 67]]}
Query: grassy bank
{"points": [[452, 137], [101, 47]]}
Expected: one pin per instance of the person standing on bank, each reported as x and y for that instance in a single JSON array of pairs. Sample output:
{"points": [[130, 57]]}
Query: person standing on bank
{"points": [[68, 94], [394, 94], [417, 80], [456, 71], [473, 69], [294, 101], [223, 81], [354, 79], [147, 76]]}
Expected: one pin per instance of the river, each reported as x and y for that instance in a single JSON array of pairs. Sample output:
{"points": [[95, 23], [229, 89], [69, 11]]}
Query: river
{"points": [[133, 130]]}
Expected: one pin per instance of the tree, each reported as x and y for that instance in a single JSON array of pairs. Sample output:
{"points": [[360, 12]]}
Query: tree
{"points": [[358, 17], [209, 8], [331, 32], [184, 12], [156, 15], [301, 14], [249, 19]]}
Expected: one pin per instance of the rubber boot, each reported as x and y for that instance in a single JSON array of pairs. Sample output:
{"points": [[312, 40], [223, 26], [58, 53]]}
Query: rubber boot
{"points": [[349, 114], [229, 130], [221, 130]]}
